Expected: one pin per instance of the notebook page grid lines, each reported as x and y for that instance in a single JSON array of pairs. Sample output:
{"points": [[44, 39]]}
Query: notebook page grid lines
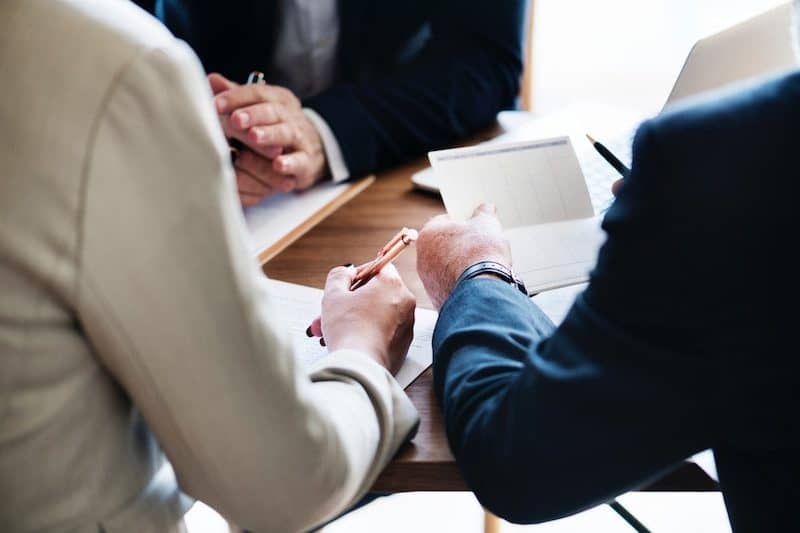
{"points": [[529, 183]]}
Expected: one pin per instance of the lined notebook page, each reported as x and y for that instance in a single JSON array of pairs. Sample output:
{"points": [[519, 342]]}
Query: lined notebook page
{"points": [[300, 305], [530, 183], [542, 201]]}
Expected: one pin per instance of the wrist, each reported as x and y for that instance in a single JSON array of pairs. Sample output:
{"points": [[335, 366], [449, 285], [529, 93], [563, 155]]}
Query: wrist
{"points": [[362, 344], [492, 269], [335, 164], [488, 275]]}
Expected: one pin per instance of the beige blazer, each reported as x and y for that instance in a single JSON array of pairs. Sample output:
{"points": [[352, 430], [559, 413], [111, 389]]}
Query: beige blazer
{"points": [[127, 287]]}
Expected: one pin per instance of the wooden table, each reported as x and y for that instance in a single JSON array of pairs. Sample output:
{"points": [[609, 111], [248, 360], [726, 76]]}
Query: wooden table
{"points": [[352, 235]]}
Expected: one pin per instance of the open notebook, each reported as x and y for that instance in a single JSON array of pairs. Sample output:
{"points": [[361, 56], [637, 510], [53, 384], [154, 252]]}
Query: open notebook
{"points": [[542, 201], [300, 305]]}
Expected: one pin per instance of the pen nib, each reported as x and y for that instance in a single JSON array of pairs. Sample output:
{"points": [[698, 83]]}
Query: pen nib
{"points": [[591, 139]]}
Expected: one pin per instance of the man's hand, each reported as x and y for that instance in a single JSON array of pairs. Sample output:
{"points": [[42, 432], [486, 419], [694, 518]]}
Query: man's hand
{"points": [[285, 149], [446, 248], [616, 186], [376, 319]]}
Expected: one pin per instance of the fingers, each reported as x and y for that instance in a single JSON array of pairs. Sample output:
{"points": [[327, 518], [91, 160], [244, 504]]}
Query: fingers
{"points": [[297, 164], [485, 209], [232, 132], [249, 200], [263, 114], [385, 283], [485, 217], [260, 169], [315, 329], [385, 277], [281, 134], [432, 228], [250, 185], [246, 95], [390, 274], [340, 279], [220, 83], [616, 186]]}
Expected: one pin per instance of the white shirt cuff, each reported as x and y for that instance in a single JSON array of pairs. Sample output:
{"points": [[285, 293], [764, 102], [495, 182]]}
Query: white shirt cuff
{"points": [[333, 152]]}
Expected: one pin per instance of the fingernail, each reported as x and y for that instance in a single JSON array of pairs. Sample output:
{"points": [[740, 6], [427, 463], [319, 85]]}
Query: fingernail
{"points": [[322, 342], [244, 119], [284, 165], [260, 136], [222, 104], [308, 332]]}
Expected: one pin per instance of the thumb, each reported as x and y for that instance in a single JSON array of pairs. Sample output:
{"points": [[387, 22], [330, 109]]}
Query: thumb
{"points": [[389, 273], [485, 209], [340, 278], [220, 83], [616, 186], [485, 216]]}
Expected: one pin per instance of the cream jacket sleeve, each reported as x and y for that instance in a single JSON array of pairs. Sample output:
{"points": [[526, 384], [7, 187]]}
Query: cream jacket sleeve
{"points": [[175, 306]]}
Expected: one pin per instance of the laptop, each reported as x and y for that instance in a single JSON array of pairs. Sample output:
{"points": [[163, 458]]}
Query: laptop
{"points": [[743, 54]]}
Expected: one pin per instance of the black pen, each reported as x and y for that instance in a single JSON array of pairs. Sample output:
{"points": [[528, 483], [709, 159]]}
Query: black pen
{"points": [[628, 517], [608, 156]]}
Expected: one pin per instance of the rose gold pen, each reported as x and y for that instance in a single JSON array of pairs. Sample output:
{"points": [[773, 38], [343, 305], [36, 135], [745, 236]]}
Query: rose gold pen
{"points": [[386, 255], [391, 251]]}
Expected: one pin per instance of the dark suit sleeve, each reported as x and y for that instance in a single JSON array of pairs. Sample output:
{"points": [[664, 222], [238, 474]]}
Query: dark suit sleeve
{"points": [[546, 422], [468, 71]]}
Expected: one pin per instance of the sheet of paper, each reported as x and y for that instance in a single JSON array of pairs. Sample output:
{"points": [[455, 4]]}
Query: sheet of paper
{"points": [[277, 216], [541, 199], [300, 305], [613, 126], [556, 303], [530, 182], [548, 256]]}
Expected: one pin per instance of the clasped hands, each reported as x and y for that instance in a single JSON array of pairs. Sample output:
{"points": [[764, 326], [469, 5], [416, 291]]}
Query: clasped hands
{"points": [[283, 149]]}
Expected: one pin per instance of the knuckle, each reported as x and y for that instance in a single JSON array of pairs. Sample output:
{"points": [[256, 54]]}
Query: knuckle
{"points": [[277, 111], [337, 272], [262, 91]]}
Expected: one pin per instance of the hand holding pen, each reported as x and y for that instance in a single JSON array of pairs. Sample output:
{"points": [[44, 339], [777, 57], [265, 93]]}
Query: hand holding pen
{"points": [[362, 274], [391, 251]]}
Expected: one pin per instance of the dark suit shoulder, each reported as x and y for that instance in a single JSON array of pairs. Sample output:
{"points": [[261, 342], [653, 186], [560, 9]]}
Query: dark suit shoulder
{"points": [[769, 108], [740, 141]]}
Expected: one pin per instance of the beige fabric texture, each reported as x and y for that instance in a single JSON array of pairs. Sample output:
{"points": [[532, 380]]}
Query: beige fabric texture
{"points": [[133, 318]]}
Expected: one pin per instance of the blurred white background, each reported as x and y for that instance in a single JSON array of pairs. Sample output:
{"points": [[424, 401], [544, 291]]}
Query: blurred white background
{"points": [[621, 52]]}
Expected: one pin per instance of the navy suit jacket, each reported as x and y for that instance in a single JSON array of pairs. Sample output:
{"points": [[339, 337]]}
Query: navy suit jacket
{"points": [[415, 75], [684, 340]]}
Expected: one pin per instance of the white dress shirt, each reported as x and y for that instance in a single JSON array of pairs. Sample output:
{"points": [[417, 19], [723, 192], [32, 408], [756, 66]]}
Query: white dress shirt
{"points": [[305, 61], [133, 318]]}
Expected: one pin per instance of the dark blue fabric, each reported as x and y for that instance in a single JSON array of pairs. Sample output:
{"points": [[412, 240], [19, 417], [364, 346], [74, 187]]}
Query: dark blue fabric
{"points": [[415, 75], [684, 340]]}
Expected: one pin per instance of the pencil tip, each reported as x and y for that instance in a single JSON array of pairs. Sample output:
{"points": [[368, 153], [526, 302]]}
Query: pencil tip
{"points": [[591, 139]]}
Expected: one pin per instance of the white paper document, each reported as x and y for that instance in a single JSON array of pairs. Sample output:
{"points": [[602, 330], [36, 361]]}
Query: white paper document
{"points": [[614, 126], [276, 217], [300, 305], [541, 199]]}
